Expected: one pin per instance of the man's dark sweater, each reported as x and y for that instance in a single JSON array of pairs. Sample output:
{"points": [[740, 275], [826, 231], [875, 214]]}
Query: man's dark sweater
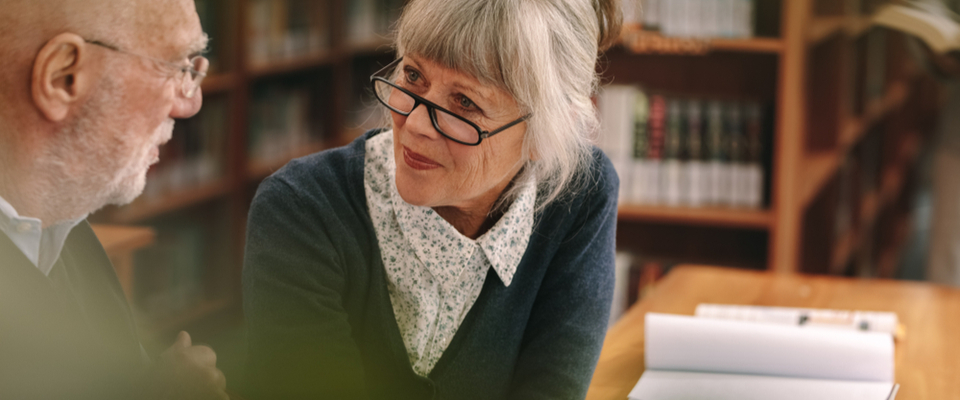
{"points": [[321, 326]]}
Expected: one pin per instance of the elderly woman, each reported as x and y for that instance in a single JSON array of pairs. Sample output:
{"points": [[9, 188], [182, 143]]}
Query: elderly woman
{"points": [[468, 252]]}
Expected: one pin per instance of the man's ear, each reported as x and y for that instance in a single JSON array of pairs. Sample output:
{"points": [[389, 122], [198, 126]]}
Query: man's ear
{"points": [[61, 76]]}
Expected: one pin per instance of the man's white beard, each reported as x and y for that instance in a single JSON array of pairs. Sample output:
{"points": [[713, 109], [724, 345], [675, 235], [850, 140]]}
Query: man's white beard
{"points": [[95, 162]]}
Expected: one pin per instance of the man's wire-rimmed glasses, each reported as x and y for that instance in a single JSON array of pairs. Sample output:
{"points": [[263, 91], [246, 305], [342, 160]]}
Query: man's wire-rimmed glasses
{"points": [[448, 123], [190, 76]]}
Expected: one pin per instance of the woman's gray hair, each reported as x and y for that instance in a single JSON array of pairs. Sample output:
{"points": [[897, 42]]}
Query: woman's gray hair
{"points": [[543, 53]]}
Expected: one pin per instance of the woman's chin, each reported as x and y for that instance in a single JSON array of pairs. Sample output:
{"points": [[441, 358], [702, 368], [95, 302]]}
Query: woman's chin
{"points": [[414, 193]]}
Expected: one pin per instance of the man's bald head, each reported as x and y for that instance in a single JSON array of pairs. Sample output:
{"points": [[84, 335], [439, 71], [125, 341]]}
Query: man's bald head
{"points": [[142, 25], [90, 91]]}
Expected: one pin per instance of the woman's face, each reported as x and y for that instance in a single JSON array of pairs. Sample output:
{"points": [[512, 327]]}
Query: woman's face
{"points": [[434, 171]]}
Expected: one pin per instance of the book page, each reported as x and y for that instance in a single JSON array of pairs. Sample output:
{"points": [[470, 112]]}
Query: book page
{"points": [[684, 343], [671, 385]]}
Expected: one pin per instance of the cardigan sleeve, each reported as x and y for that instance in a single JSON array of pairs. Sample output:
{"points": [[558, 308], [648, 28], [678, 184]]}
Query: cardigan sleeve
{"points": [[299, 338], [562, 341]]}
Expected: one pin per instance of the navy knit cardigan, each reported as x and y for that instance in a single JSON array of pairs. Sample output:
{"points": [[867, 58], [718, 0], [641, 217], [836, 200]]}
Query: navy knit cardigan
{"points": [[321, 326]]}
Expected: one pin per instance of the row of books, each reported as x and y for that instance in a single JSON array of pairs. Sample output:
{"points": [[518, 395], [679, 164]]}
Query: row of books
{"points": [[286, 29], [371, 20], [694, 18], [195, 155], [684, 151], [281, 120]]}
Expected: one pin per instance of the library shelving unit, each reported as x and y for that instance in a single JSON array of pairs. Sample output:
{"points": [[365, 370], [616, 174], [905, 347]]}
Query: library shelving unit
{"points": [[276, 66], [268, 101], [851, 113]]}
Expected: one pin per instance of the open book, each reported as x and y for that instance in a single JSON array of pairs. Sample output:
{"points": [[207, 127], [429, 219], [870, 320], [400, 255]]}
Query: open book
{"points": [[704, 358], [930, 23]]}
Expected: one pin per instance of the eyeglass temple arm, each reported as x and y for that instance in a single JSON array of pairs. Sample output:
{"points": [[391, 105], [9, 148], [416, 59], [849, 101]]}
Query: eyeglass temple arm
{"points": [[484, 135]]}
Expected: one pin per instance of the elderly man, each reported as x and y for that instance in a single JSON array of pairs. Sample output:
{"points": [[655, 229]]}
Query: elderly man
{"points": [[88, 91]]}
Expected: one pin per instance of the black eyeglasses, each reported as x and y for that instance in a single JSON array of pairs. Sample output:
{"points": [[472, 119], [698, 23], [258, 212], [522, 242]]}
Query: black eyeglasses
{"points": [[449, 124]]}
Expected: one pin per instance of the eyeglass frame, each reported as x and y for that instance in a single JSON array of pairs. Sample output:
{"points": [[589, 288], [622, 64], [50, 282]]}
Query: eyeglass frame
{"points": [[432, 107], [180, 68]]}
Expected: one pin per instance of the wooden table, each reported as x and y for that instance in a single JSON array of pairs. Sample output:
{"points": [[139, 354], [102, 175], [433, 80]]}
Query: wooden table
{"points": [[927, 357], [121, 242]]}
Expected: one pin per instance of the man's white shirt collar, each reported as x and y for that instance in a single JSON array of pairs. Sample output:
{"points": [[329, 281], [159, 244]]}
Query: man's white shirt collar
{"points": [[41, 246]]}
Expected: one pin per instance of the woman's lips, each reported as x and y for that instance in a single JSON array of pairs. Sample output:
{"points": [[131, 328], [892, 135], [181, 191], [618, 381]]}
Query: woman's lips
{"points": [[418, 161]]}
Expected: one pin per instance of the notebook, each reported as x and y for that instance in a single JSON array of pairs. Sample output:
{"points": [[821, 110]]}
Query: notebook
{"points": [[703, 358]]}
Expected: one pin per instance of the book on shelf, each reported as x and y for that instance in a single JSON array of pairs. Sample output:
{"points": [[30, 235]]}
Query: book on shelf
{"points": [[932, 23], [677, 151], [369, 20], [280, 122], [281, 30], [634, 278], [700, 18], [691, 357], [195, 155]]}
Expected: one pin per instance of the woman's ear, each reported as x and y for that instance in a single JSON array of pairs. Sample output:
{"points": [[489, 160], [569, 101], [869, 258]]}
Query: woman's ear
{"points": [[61, 76]]}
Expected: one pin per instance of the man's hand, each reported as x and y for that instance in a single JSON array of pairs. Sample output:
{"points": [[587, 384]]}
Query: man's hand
{"points": [[186, 372]]}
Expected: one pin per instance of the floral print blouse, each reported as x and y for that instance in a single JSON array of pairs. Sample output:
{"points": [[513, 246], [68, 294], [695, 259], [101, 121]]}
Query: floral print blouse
{"points": [[435, 273]]}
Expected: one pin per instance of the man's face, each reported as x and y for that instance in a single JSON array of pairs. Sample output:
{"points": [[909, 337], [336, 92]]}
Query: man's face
{"points": [[130, 113]]}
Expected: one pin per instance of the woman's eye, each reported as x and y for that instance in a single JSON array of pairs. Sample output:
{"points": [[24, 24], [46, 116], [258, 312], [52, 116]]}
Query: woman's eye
{"points": [[412, 76], [466, 103]]}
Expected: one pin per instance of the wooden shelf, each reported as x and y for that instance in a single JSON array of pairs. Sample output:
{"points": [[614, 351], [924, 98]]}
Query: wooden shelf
{"points": [[821, 166], [823, 28], [370, 46], [723, 217], [292, 65], [146, 208], [258, 170], [645, 42], [218, 83]]}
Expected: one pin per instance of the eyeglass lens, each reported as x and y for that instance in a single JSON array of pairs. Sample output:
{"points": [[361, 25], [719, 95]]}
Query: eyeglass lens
{"points": [[193, 78], [449, 125]]}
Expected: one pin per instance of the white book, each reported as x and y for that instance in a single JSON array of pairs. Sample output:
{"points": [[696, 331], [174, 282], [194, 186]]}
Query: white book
{"points": [[709, 22], [697, 183], [651, 13], [703, 358], [754, 174], [743, 18], [725, 18], [718, 177], [621, 286], [672, 182], [740, 178], [692, 18], [654, 193]]}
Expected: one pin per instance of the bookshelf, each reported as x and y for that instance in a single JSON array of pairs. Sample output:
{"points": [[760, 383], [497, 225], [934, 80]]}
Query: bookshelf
{"points": [[850, 119], [301, 53], [805, 62]]}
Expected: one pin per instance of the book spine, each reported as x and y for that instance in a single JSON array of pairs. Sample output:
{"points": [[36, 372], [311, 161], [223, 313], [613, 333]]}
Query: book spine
{"points": [[696, 171], [715, 154], [641, 117], [673, 144], [657, 133], [754, 128], [651, 14]]}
